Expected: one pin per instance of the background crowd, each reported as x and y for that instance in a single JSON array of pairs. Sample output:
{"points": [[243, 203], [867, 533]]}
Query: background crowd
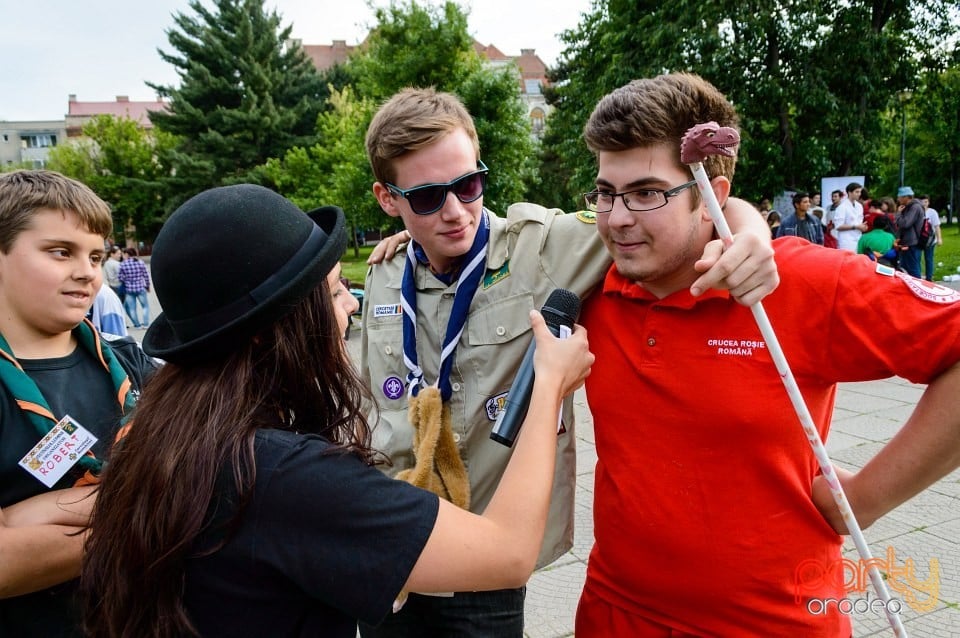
{"points": [[900, 234]]}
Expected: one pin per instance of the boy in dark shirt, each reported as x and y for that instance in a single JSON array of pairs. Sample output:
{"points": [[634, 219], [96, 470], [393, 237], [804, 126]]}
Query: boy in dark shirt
{"points": [[63, 392]]}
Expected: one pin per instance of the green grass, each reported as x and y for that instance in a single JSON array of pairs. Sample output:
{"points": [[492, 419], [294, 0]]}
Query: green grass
{"points": [[355, 268], [949, 253]]}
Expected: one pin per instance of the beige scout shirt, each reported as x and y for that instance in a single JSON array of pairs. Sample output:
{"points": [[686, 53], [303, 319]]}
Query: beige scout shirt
{"points": [[530, 253]]}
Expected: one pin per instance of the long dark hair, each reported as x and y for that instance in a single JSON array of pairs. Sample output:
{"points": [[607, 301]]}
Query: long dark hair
{"points": [[192, 422]]}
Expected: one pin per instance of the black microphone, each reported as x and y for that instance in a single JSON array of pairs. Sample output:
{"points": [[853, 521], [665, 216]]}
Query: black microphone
{"points": [[561, 309]]}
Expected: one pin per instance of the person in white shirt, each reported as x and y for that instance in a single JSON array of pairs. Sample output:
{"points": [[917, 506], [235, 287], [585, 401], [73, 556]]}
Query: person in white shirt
{"points": [[848, 219], [111, 271]]}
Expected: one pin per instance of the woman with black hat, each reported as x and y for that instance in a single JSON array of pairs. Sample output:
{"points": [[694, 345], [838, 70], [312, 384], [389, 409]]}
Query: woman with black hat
{"points": [[243, 501]]}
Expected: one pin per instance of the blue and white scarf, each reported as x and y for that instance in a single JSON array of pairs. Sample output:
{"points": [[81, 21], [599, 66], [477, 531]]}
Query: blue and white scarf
{"points": [[467, 283]]}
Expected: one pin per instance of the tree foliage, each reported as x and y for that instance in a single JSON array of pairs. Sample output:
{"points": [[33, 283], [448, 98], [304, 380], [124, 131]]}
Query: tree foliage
{"points": [[813, 81], [415, 45], [334, 170], [246, 94], [934, 137], [493, 99], [430, 46], [124, 165], [420, 46]]}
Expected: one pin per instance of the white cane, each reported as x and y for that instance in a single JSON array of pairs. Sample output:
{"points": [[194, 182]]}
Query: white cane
{"points": [[698, 143]]}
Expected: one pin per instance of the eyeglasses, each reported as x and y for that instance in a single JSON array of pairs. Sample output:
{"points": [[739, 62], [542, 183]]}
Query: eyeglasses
{"points": [[638, 201], [429, 198]]}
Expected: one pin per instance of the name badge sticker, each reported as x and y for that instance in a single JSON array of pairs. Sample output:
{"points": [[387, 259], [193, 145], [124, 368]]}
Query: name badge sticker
{"points": [[58, 451]]}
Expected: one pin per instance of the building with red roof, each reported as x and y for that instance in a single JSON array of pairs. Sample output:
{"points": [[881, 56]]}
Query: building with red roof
{"points": [[532, 71], [79, 113], [29, 143]]}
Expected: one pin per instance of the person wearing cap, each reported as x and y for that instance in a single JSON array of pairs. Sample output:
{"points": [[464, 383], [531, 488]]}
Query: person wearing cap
{"points": [[909, 220], [445, 322], [59, 378], [244, 500]]}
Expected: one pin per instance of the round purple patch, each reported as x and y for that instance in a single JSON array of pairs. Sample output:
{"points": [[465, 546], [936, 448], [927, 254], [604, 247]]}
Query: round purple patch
{"points": [[393, 387]]}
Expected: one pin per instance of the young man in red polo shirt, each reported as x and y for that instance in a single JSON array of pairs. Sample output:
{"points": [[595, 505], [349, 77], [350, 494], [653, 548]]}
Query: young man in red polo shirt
{"points": [[707, 496]]}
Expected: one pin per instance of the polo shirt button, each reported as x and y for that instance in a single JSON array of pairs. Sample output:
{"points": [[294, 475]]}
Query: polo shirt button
{"points": [[456, 437], [501, 331], [388, 350], [651, 342], [455, 387]]}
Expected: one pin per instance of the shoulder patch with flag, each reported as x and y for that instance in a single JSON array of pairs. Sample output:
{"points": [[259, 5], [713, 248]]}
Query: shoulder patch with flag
{"points": [[387, 310]]}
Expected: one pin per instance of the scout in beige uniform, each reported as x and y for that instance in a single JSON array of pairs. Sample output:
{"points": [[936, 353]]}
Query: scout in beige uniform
{"points": [[424, 153], [530, 253]]}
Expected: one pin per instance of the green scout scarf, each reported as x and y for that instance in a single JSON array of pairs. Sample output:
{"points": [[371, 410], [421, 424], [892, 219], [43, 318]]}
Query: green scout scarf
{"points": [[31, 401]]}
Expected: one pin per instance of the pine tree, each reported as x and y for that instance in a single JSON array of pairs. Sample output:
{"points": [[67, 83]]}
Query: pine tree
{"points": [[246, 94]]}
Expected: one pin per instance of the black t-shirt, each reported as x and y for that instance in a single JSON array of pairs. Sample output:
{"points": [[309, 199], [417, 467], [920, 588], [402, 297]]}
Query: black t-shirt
{"points": [[325, 539], [79, 386]]}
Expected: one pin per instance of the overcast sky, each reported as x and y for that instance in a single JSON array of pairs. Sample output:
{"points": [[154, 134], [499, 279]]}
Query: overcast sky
{"points": [[99, 49]]}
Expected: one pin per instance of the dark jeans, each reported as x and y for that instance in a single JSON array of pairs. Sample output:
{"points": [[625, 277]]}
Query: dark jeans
{"points": [[480, 614], [910, 261], [928, 265]]}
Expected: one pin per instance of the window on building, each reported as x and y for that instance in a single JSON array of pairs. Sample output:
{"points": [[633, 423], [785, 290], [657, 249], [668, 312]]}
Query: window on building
{"points": [[531, 87], [38, 141], [537, 120], [6, 138]]}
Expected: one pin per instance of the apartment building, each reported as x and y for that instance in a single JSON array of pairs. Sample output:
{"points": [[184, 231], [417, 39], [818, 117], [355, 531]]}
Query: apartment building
{"points": [[29, 143]]}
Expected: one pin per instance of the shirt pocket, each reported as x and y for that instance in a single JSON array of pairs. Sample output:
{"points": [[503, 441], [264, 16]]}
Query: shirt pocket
{"points": [[497, 338], [392, 433]]}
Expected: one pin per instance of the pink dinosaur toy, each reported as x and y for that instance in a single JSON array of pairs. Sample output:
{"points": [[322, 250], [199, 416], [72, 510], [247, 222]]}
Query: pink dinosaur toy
{"points": [[704, 140]]}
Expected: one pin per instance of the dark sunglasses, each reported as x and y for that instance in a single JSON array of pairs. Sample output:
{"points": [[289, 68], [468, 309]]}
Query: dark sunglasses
{"points": [[429, 198]]}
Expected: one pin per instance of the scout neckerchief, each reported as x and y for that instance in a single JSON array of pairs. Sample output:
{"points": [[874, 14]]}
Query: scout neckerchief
{"points": [[31, 401], [474, 264]]}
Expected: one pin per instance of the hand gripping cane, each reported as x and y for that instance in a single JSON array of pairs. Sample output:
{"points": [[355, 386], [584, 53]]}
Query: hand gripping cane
{"points": [[698, 143]]}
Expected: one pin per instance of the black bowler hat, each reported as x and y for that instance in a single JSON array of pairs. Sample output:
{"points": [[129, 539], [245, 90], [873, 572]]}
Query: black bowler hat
{"points": [[231, 261]]}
